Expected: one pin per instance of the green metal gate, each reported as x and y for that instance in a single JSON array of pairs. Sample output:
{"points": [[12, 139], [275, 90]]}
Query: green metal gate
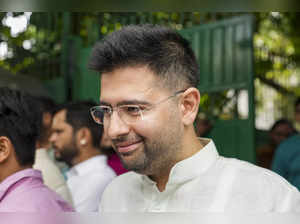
{"points": [[225, 55]]}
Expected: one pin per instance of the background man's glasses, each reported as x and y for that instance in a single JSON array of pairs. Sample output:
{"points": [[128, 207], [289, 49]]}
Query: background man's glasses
{"points": [[128, 113]]}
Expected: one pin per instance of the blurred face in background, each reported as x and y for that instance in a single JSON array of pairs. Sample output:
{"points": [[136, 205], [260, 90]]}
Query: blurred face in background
{"points": [[62, 139], [280, 133]]}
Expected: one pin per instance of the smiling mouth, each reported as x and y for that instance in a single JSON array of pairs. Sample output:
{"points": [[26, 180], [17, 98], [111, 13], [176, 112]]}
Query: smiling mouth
{"points": [[126, 149]]}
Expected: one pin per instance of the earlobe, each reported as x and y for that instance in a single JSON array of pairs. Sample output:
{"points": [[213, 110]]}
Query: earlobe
{"points": [[189, 105], [5, 148], [82, 136]]}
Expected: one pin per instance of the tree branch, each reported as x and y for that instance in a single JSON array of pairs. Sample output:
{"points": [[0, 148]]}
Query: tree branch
{"points": [[283, 90]]}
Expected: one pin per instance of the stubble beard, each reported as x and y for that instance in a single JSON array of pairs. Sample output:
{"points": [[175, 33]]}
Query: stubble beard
{"points": [[158, 154], [68, 153]]}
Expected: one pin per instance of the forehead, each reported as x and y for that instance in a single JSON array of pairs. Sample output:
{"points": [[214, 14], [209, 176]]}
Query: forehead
{"points": [[59, 118], [128, 82]]}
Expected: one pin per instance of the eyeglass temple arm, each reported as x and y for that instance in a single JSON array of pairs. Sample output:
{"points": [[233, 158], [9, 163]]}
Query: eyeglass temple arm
{"points": [[175, 94]]}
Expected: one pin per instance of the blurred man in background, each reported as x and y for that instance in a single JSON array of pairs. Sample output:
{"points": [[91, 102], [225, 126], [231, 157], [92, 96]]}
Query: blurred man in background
{"points": [[76, 140], [280, 130], [52, 175], [286, 160]]}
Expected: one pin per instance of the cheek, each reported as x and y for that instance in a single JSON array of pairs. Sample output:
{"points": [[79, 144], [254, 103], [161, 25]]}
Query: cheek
{"points": [[63, 139], [145, 129], [152, 125]]}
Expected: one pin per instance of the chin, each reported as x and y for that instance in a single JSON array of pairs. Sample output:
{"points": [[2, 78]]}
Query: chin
{"points": [[138, 168]]}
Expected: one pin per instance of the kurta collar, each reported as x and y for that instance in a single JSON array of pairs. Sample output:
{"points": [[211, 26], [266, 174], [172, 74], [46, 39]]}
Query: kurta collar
{"points": [[87, 166], [191, 167]]}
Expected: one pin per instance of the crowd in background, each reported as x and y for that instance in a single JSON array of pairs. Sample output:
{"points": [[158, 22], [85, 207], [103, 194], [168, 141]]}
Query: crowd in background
{"points": [[282, 152], [72, 156], [77, 161]]}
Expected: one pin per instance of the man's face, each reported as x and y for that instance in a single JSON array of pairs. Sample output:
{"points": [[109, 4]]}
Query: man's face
{"points": [[150, 144], [62, 138]]}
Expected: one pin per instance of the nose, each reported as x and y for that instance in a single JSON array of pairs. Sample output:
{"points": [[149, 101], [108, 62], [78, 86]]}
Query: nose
{"points": [[52, 138], [116, 126]]}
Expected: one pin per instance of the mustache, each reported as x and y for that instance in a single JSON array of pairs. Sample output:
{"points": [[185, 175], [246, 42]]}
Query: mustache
{"points": [[127, 138]]}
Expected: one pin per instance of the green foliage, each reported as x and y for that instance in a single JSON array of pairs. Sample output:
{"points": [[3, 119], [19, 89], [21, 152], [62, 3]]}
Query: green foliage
{"points": [[277, 54], [47, 32], [276, 47], [44, 50]]}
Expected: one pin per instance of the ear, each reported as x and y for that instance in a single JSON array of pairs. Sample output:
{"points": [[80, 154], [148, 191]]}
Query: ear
{"points": [[189, 105], [82, 137], [47, 119], [5, 148]]}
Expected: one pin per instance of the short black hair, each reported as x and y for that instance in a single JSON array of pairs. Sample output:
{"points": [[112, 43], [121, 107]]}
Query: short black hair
{"points": [[19, 121], [283, 121], [78, 116], [46, 105], [164, 51]]}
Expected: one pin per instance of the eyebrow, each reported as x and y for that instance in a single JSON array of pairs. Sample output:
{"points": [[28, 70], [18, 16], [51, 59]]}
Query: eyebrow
{"points": [[127, 102]]}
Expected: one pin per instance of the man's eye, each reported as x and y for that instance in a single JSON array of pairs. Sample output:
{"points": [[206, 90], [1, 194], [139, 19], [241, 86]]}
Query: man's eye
{"points": [[103, 110], [133, 110]]}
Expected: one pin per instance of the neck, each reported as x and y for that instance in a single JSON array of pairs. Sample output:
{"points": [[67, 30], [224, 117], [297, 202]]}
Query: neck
{"points": [[85, 154], [8, 171], [161, 179], [194, 145]]}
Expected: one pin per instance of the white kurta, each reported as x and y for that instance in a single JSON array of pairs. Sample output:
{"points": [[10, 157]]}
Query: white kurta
{"points": [[205, 182], [87, 181]]}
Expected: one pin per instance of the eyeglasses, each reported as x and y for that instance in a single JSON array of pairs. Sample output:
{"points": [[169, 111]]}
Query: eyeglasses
{"points": [[128, 113]]}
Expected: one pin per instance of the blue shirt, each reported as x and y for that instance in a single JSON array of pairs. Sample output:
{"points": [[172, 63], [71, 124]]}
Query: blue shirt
{"points": [[287, 160]]}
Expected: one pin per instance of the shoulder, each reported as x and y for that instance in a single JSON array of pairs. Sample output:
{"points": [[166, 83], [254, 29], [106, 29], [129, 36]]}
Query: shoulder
{"points": [[291, 143], [126, 180], [289, 148], [247, 170], [91, 183], [102, 175], [36, 199], [120, 190], [259, 181]]}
